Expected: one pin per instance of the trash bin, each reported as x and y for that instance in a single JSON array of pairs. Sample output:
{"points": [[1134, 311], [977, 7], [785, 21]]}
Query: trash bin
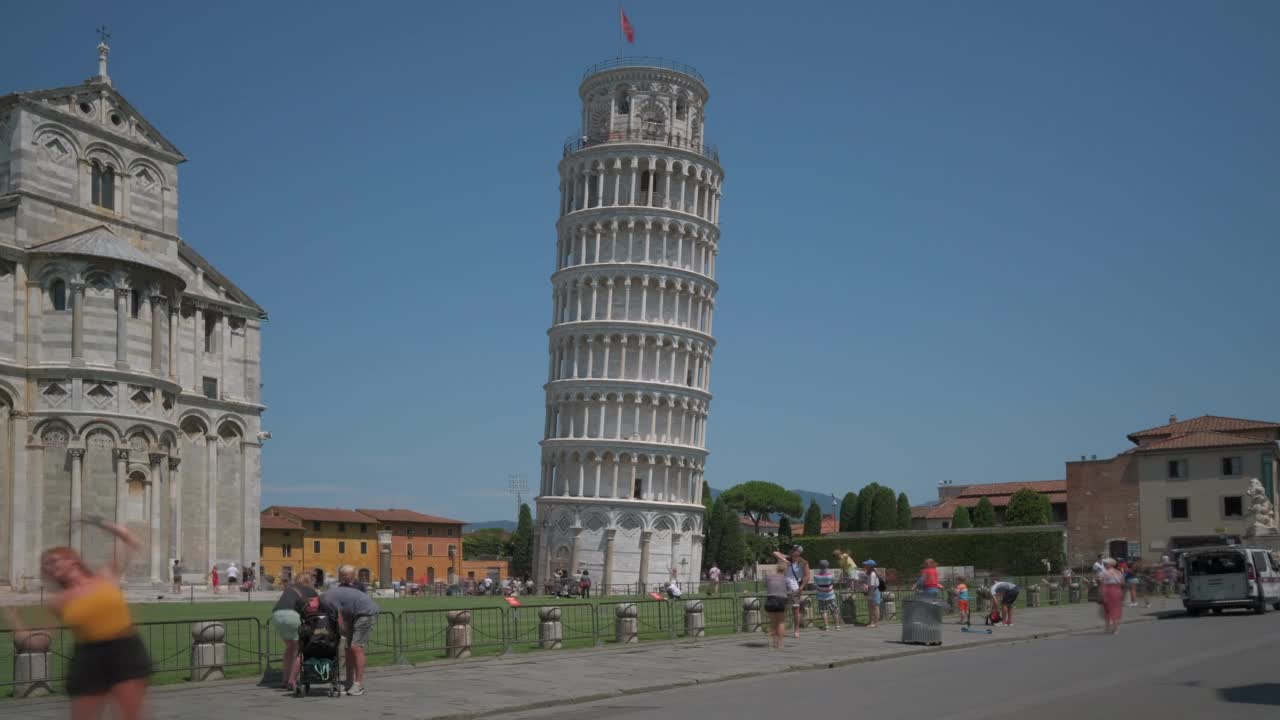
{"points": [[922, 621]]}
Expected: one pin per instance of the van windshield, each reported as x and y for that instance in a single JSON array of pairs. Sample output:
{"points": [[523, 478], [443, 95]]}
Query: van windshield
{"points": [[1217, 564]]}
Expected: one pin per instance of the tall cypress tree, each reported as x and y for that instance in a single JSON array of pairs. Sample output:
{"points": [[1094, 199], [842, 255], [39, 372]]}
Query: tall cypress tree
{"points": [[813, 520], [522, 544], [863, 519], [904, 512], [984, 515], [848, 512], [715, 533], [884, 510], [733, 542]]}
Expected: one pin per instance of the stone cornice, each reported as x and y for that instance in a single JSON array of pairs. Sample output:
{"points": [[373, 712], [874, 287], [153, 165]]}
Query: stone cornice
{"points": [[90, 371], [96, 217], [622, 213], [195, 400], [637, 447], [606, 270], [623, 327], [620, 385], [622, 503]]}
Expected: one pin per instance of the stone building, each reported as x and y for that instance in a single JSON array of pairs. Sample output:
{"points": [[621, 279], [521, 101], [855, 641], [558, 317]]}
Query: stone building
{"points": [[633, 295], [129, 366], [1182, 481], [937, 516]]}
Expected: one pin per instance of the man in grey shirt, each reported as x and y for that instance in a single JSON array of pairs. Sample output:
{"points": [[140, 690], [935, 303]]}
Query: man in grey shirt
{"points": [[357, 613]]}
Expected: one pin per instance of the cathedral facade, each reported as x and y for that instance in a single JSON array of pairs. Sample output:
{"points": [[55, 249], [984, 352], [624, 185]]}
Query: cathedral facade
{"points": [[130, 377]]}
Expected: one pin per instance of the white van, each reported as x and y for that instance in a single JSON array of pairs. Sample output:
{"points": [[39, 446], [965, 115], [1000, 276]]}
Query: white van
{"points": [[1216, 578]]}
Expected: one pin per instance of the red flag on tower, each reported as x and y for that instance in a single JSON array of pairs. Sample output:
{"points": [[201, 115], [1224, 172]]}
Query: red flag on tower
{"points": [[627, 30]]}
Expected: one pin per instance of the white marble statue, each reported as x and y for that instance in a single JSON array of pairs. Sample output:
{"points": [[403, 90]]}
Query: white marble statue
{"points": [[1261, 515]]}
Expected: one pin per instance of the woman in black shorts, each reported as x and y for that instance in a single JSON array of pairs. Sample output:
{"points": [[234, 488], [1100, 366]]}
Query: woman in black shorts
{"points": [[110, 665]]}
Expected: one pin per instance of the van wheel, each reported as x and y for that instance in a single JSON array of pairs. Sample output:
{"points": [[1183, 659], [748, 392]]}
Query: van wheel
{"points": [[1275, 606], [1193, 612], [1260, 607]]}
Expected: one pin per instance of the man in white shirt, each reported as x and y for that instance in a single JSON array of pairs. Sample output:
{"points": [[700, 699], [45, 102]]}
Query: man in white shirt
{"points": [[233, 575], [714, 576], [1098, 568], [1005, 594]]}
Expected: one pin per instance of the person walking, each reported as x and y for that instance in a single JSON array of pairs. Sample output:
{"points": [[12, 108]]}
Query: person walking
{"points": [[714, 576], [825, 583], [357, 614], [213, 578], [109, 665], [873, 593], [798, 577], [585, 584], [776, 600], [177, 577], [1111, 595], [928, 583], [286, 619], [233, 575]]}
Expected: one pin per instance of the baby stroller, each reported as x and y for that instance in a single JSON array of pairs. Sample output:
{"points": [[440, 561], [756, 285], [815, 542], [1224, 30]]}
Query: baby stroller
{"points": [[318, 642]]}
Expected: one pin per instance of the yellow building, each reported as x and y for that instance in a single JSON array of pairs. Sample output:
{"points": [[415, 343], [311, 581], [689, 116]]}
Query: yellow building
{"points": [[283, 543], [425, 549], [330, 537]]}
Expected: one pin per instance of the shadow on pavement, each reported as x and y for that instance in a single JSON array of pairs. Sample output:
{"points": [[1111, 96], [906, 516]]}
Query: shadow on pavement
{"points": [[1256, 694]]}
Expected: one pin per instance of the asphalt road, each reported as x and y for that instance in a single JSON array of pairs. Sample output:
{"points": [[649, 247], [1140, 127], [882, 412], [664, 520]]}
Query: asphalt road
{"points": [[1214, 666]]}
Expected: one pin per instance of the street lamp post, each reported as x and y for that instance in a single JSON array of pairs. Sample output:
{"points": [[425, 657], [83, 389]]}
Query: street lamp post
{"points": [[384, 558]]}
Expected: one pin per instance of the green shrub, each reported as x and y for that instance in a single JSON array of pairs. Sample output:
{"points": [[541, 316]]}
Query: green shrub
{"points": [[1009, 551]]}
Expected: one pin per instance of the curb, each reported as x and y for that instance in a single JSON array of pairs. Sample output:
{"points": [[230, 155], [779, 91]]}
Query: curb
{"points": [[808, 667]]}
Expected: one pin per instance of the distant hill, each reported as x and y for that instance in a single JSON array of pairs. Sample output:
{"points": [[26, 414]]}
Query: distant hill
{"points": [[508, 525]]}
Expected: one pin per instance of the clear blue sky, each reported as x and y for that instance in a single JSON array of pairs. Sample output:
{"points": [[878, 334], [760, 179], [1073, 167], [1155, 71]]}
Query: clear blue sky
{"points": [[962, 241]]}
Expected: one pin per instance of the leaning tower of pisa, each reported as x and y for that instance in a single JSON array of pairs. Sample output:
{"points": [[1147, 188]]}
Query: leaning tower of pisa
{"points": [[633, 295]]}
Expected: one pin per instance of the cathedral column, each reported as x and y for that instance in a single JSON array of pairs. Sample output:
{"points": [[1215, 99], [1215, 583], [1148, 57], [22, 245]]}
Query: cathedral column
{"points": [[224, 337], [174, 319], [122, 484], [77, 494], [211, 484], [644, 559], [77, 324], [23, 490], [596, 489], [122, 327], [197, 346], [174, 479], [607, 580], [153, 511], [157, 332], [575, 549]]}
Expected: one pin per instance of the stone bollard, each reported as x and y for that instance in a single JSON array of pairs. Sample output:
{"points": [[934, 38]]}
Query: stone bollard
{"points": [[1033, 596], [890, 604], [1055, 594], [550, 631], [984, 600], [208, 651], [1093, 592], [457, 640], [807, 615], [627, 626], [849, 608], [31, 661], [695, 622], [1073, 592], [752, 619]]}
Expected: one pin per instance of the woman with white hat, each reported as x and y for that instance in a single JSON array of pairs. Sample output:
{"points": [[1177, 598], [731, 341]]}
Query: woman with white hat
{"points": [[873, 594]]}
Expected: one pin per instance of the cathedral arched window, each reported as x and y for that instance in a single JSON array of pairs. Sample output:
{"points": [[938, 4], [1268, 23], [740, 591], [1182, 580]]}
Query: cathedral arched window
{"points": [[58, 295], [682, 108], [104, 186], [135, 303], [624, 102]]}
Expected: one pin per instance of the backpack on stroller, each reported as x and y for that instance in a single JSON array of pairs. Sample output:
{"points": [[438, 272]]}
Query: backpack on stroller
{"points": [[318, 642]]}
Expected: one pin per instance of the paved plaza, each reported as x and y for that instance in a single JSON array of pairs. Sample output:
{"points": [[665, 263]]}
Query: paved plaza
{"points": [[531, 681]]}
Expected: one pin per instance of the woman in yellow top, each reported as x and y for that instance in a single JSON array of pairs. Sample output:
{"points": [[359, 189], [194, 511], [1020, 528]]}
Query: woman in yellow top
{"points": [[110, 664]]}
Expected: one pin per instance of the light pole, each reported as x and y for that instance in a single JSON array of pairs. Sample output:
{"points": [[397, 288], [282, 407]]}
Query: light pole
{"points": [[518, 485], [384, 558]]}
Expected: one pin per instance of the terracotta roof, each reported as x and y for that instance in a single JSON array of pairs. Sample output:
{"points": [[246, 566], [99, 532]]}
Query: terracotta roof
{"points": [[409, 516], [829, 525], [765, 523], [992, 490], [1205, 439], [944, 510], [323, 514], [278, 522], [1213, 423]]}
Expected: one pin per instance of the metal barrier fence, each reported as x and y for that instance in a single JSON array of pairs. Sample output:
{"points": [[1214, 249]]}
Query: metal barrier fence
{"points": [[246, 645]]}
